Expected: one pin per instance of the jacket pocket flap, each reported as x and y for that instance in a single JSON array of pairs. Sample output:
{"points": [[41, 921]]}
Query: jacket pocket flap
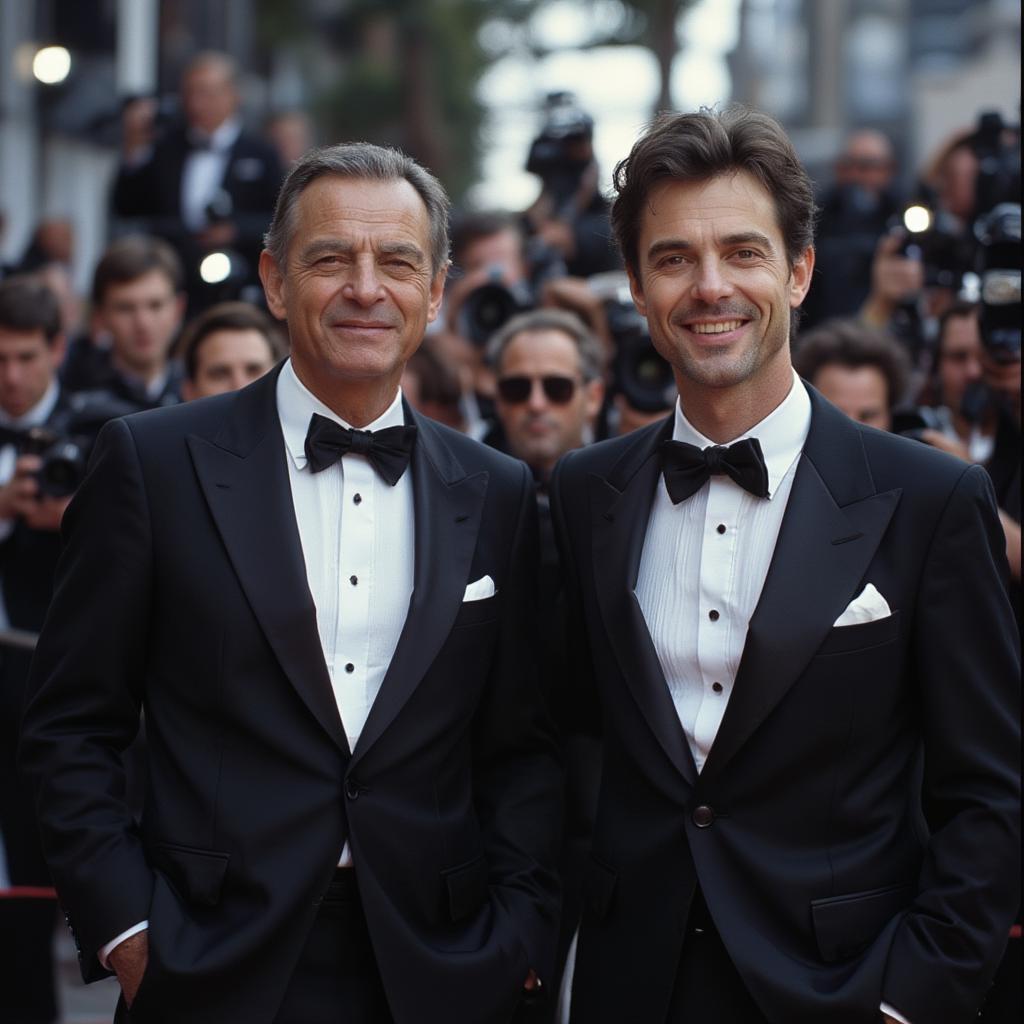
{"points": [[598, 889], [197, 874], [467, 888], [847, 925]]}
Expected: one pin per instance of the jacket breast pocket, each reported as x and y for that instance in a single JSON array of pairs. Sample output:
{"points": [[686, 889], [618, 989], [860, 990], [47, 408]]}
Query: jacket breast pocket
{"points": [[473, 612], [864, 635], [846, 925], [466, 888], [197, 875]]}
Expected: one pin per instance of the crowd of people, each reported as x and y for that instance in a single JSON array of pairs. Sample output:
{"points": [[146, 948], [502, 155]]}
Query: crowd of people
{"points": [[543, 338]]}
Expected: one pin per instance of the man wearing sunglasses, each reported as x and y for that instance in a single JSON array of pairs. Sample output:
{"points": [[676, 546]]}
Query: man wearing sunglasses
{"points": [[549, 386]]}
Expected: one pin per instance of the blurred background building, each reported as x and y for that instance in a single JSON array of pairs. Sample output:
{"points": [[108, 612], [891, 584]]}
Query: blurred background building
{"points": [[459, 83]]}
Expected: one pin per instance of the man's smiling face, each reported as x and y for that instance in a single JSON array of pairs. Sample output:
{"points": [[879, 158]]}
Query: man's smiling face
{"points": [[714, 282], [358, 289]]}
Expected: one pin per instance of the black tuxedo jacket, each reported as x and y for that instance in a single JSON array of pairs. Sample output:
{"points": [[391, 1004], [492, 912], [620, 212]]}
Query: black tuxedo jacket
{"points": [[855, 827], [182, 590]]}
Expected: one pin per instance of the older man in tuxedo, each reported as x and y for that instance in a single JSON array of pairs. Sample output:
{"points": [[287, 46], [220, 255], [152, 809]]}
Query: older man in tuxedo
{"points": [[799, 631], [322, 602]]}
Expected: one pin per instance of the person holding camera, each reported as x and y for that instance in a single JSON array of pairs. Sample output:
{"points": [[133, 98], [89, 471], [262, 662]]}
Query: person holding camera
{"points": [[31, 403], [205, 184]]}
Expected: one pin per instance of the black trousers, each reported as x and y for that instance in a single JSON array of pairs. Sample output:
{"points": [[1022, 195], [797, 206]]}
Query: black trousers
{"points": [[336, 980], [708, 988]]}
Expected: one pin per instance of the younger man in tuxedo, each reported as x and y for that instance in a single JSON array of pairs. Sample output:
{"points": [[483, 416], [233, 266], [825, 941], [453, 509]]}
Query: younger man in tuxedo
{"points": [[810, 795]]}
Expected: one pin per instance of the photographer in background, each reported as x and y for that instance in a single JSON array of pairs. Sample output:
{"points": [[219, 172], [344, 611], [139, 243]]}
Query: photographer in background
{"points": [[34, 414], [957, 411], [860, 370], [855, 213], [205, 184], [570, 216]]}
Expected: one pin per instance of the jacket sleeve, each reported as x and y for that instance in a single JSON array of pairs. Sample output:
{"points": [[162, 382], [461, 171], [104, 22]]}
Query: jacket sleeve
{"points": [[84, 698], [517, 774], [967, 674]]}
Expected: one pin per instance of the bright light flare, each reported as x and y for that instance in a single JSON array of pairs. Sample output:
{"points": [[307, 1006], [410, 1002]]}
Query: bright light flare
{"points": [[51, 65], [917, 219], [215, 268]]}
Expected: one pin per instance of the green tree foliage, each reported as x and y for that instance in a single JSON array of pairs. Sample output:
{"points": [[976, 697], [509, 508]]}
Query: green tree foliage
{"points": [[402, 73]]}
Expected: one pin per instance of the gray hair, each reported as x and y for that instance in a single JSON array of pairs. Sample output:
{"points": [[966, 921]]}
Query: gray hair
{"points": [[364, 161], [589, 348]]}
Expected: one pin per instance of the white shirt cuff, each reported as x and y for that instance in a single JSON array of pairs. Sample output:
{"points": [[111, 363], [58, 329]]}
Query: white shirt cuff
{"points": [[895, 1014], [109, 948]]}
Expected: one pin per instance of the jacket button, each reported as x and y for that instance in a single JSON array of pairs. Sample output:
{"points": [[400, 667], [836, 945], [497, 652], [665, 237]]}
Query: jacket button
{"points": [[352, 789], [703, 816]]}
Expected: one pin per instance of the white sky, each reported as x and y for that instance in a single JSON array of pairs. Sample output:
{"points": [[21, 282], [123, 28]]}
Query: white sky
{"points": [[617, 86]]}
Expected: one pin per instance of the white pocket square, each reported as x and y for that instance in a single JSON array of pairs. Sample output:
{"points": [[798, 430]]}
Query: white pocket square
{"points": [[479, 589], [867, 606]]}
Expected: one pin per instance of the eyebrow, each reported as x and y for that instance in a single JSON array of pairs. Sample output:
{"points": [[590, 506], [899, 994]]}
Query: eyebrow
{"points": [[329, 246], [738, 238]]}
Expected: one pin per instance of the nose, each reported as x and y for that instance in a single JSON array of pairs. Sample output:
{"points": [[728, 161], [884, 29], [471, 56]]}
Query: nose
{"points": [[710, 284], [362, 285], [974, 371], [537, 401]]}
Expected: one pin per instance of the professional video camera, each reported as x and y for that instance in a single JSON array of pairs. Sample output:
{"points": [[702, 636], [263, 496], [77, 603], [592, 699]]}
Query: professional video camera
{"points": [[639, 372], [982, 258], [562, 151], [64, 459], [998, 266], [489, 306]]}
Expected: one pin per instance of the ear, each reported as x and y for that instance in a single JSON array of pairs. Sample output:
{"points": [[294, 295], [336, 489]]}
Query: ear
{"points": [[800, 277], [437, 293], [636, 290], [58, 349], [593, 397], [273, 285]]}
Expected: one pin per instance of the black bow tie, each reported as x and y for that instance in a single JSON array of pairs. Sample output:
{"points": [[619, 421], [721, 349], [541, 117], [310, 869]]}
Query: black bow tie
{"points": [[687, 467], [387, 450]]}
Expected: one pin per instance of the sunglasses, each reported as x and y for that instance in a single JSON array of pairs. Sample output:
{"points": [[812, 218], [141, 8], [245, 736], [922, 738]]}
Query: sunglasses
{"points": [[557, 390]]}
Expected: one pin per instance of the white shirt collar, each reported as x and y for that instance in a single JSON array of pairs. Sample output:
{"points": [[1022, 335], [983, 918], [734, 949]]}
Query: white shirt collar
{"points": [[38, 414], [296, 405], [223, 137], [781, 433]]}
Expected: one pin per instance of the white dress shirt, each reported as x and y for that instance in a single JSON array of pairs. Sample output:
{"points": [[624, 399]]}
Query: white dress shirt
{"points": [[704, 565], [358, 542], [719, 544], [203, 173]]}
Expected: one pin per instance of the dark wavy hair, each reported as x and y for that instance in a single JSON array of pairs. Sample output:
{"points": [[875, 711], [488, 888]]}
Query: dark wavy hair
{"points": [[704, 145]]}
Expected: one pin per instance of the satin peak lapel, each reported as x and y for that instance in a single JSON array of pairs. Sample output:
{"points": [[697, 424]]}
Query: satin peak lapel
{"points": [[244, 478], [833, 525], [620, 508], [447, 505]]}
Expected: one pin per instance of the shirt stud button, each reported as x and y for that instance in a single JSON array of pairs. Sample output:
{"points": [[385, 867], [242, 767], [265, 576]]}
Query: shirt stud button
{"points": [[713, 615], [717, 687], [357, 499], [720, 527], [353, 580], [350, 667]]}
